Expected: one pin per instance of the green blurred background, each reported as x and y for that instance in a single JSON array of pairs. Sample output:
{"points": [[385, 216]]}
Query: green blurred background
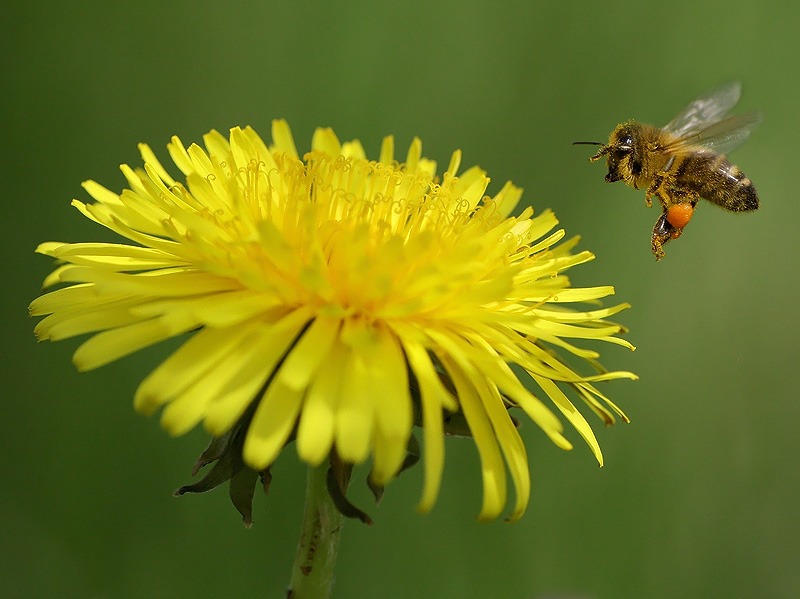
{"points": [[699, 495]]}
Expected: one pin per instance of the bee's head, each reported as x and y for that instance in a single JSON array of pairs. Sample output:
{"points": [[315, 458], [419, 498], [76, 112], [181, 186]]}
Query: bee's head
{"points": [[624, 152]]}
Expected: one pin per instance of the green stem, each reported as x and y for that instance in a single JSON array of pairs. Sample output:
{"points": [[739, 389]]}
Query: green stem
{"points": [[312, 574]]}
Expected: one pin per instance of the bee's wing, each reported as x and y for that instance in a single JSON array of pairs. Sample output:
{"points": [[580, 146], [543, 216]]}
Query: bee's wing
{"points": [[720, 137], [706, 110]]}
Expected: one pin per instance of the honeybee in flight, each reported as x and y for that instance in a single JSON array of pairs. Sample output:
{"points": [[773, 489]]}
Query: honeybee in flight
{"points": [[684, 161]]}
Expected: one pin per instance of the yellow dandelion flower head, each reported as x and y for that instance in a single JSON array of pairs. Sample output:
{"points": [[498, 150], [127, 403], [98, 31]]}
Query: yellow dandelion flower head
{"points": [[338, 302]]}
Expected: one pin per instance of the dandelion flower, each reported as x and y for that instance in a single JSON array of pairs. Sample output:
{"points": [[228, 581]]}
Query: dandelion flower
{"points": [[337, 302]]}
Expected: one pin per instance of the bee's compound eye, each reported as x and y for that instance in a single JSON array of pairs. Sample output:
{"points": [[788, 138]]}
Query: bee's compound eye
{"points": [[679, 215], [626, 141]]}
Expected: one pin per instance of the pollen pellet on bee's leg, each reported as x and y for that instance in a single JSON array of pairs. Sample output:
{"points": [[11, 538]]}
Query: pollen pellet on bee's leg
{"points": [[679, 215]]}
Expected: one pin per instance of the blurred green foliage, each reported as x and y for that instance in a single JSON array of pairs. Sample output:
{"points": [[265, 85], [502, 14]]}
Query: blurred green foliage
{"points": [[699, 494]]}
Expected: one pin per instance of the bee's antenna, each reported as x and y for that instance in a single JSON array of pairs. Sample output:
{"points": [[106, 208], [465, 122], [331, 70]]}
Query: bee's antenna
{"points": [[587, 143]]}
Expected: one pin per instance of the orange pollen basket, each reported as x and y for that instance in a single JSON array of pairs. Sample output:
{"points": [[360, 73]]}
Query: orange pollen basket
{"points": [[679, 215]]}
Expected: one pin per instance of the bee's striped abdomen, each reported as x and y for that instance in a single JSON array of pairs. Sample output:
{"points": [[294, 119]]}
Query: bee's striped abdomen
{"points": [[715, 179]]}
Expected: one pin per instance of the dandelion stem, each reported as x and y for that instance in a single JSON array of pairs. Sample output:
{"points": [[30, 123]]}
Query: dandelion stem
{"points": [[312, 574]]}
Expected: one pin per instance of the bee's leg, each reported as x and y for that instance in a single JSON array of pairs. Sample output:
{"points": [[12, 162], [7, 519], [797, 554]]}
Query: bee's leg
{"points": [[671, 223], [656, 188], [663, 187], [648, 194], [662, 233]]}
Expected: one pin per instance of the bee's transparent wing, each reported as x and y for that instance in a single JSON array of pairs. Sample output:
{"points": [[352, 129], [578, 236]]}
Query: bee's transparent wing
{"points": [[706, 110], [720, 137]]}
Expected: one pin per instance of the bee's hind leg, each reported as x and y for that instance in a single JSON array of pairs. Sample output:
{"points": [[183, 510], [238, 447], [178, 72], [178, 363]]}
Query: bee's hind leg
{"points": [[662, 233]]}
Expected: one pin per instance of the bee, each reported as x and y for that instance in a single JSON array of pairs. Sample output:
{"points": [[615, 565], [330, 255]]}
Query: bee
{"points": [[684, 161]]}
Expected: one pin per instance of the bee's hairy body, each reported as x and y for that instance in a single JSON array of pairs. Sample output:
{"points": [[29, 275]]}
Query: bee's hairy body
{"points": [[680, 177]]}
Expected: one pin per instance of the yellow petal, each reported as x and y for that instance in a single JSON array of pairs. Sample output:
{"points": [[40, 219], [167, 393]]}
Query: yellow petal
{"points": [[308, 353], [282, 138], [270, 346], [492, 467], [272, 423], [325, 141], [149, 157], [62, 299], [387, 151], [393, 413], [355, 418], [315, 432], [188, 363], [575, 418], [433, 396], [113, 344], [509, 441]]}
